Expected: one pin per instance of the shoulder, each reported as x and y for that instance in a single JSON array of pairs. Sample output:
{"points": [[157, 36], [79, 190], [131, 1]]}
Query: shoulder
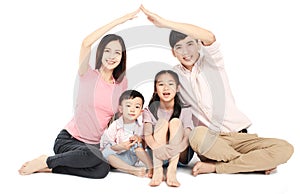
{"points": [[176, 68], [123, 82], [146, 111], [116, 124], [119, 122], [186, 110], [88, 73], [181, 72], [112, 126], [147, 115]]}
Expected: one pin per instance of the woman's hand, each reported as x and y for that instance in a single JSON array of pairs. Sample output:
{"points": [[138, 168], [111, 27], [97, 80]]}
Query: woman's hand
{"points": [[128, 16], [154, 18]]}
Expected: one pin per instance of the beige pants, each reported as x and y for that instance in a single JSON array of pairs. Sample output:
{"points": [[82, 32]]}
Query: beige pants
{"points": [[240, 152]]}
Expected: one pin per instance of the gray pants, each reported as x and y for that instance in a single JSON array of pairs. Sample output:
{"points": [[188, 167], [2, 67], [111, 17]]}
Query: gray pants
{"points": [[77, 158]]}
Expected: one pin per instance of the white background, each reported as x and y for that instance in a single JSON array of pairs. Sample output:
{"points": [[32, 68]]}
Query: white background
{"points": [[40, 42]]}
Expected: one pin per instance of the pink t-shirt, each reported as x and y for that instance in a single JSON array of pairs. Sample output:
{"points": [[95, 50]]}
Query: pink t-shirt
{"points": [[97, 102]]}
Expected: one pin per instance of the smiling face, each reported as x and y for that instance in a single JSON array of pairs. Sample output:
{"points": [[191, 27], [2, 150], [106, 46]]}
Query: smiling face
{"points": [[112, 55], [186, 51], [166, 87], [131, 109]]}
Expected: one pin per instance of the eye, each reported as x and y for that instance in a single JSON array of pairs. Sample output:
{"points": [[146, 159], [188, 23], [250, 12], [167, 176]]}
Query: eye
{"points": [[171, 82], [106, 50], [178, 47]]}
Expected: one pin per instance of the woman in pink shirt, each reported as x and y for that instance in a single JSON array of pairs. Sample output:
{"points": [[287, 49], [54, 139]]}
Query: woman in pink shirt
{"points": [[76, 147]]}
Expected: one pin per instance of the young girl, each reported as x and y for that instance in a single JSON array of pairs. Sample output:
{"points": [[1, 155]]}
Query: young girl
{"points": [[167, 123], [76, 147]]}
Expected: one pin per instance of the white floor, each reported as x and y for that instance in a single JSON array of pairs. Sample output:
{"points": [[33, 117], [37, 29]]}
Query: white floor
{"points": [[284, 180]]}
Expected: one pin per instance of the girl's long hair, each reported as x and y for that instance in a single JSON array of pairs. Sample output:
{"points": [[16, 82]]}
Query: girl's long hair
{"points": [[154, 101]]}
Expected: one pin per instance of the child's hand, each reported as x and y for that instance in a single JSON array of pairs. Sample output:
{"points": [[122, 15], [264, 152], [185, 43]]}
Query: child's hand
{"points": [[126, 145], [161, 152], [135, 139]]}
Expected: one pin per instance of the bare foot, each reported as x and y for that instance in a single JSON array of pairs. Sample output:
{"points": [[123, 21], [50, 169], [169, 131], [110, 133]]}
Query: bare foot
{"points": [[33, 166], [45, 170], [158, 177], [267, 172], [150, 173], [139, 171], [171, 178], [203, 167]]}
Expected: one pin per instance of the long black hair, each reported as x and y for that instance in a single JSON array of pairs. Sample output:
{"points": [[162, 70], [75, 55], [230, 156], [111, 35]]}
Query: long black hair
{"points": [[119, 71], [154, 101]]}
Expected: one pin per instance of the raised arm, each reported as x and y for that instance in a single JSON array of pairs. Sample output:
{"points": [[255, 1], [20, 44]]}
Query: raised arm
{"points": [[206, 37], [85, 51]]}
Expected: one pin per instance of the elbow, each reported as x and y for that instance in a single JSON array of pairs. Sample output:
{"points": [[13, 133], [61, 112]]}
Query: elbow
{"points": [[85, 43], [210, 39]]}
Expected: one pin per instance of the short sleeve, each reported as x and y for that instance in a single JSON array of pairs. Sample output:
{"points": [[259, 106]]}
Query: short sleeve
{"points": [[186, 118], [124, 83], [139, 130], [87, 73], [109, 136], [147, 116]]}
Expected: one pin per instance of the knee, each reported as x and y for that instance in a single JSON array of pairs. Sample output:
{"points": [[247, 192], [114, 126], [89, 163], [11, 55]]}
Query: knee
{"points": [[196, 137], [101, 171], [161, 126], [283, 152], [174, 121], [93, 153], [287, 150], [139, 149], [175, 126]]}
